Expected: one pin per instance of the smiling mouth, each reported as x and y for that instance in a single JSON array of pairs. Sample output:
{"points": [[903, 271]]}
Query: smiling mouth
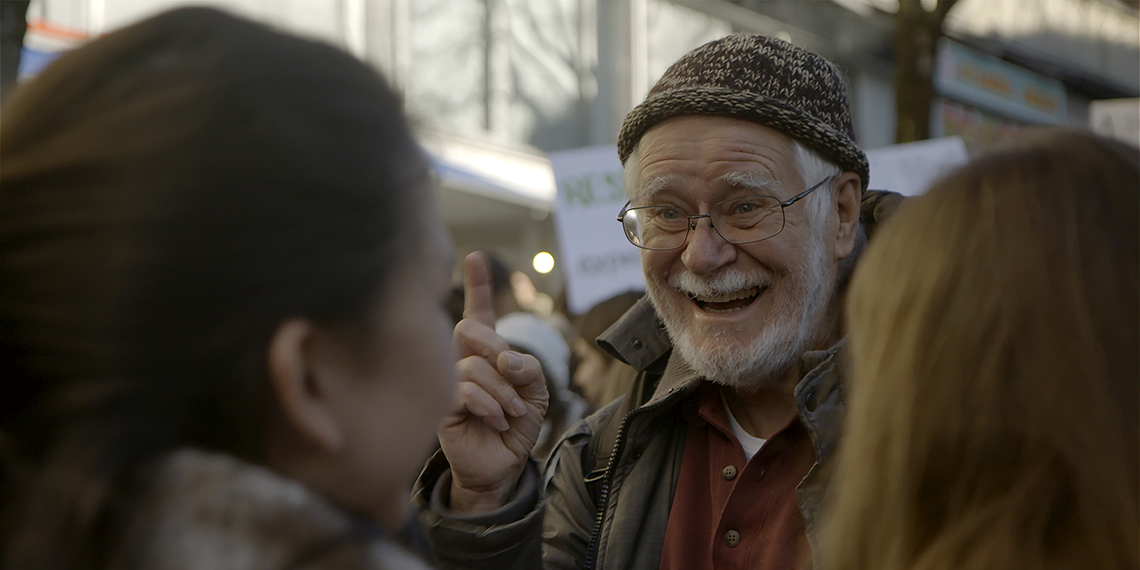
{"points": [[727, 302]]}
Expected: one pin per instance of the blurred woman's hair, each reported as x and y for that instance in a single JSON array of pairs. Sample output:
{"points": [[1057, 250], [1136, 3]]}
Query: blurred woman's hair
{"points": [[600, 317], [172, 192], [994, 330]]}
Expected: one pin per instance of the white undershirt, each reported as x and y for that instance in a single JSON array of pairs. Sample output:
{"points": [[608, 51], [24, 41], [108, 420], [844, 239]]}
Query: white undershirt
{"points": [[750, 443]]}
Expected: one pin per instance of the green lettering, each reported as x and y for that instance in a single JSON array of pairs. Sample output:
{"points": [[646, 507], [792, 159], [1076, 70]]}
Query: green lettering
{"points": [[578, 189], [617, 187]]}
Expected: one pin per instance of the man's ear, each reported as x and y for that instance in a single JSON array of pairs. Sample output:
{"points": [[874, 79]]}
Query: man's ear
{"points": [[848, 191], [300, 392]]}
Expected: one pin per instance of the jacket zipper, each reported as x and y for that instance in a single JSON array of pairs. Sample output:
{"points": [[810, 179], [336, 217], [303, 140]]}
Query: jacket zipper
{"points": [[604, 495]]}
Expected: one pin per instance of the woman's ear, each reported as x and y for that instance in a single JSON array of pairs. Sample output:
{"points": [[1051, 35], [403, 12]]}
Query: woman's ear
{"points": [[300, 392]]}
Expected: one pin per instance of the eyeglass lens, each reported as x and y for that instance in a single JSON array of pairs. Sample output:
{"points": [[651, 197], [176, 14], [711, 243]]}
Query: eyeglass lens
{"points": [[740, 220]]}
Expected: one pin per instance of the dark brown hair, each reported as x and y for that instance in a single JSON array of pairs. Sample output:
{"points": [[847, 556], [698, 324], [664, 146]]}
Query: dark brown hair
{"points": [[172, 192]]}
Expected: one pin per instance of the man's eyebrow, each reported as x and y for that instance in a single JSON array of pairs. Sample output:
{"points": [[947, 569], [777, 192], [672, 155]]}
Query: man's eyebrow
{"points": [[756, 181], [652, 185]]}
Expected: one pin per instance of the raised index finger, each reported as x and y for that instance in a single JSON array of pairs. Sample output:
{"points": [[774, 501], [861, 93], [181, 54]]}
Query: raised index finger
{"points": [[477, 299]]}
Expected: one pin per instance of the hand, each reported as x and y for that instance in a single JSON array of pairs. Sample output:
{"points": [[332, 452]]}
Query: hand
{"points": [[502, 401]]}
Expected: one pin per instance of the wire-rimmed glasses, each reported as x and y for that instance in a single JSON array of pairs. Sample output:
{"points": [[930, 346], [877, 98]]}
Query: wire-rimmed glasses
{"points": [[738, 220]]}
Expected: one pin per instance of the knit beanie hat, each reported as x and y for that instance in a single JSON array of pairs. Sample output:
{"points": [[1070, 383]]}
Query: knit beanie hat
{"points": [[759, 79]]}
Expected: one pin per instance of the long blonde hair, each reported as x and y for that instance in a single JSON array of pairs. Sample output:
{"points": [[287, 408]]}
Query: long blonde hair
{"points": [[994, 330]]}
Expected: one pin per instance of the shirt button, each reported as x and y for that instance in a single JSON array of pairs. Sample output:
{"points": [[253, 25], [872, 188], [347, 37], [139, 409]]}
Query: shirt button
{"points": [[729, 473], [732, 538]]}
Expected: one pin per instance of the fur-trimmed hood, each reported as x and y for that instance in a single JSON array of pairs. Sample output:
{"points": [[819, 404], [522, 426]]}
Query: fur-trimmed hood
{"points": [[205, 511]]}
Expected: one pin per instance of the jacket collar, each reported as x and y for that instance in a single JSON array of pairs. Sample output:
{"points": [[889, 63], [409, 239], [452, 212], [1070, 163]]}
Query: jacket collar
{"points": [[638, 337]]}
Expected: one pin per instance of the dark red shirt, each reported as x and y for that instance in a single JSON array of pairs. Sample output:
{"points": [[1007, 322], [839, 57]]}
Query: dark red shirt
{"points": [[728, 514]]}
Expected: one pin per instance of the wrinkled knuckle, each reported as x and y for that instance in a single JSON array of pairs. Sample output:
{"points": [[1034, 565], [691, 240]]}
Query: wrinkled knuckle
{"points": [[468, 367], [477, 328], [488, 407], [463, 366], [470, 329], [462, 328], [504, 392]]}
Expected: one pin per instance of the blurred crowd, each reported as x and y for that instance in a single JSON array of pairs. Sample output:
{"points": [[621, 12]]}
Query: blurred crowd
{"points": [[230, 336]]}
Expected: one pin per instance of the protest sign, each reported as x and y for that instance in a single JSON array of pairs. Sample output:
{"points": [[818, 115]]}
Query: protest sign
{"points": [[1116, 118], [910, 168], [597, 261]]}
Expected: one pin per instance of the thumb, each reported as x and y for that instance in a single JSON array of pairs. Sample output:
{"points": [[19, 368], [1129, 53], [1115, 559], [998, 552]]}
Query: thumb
{"points": [[477, 295]]}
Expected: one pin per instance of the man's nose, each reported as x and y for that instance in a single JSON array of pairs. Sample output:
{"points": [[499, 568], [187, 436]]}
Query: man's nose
{"points": [[705, 250]]}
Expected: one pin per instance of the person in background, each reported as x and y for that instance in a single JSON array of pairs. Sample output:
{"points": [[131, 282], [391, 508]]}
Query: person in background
{"points": [[454, 303], [995, 328], [222, 335], [502, 287], [529, 334], [600, 376], [503, 295]]}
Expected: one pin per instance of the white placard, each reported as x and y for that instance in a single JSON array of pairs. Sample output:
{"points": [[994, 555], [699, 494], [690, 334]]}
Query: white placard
{"points": [[597, 261], [910, 168], [1116, 118]]}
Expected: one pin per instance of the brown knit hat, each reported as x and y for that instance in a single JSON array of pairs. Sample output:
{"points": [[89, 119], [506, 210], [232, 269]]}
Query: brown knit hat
{"points": [[760, 79]]}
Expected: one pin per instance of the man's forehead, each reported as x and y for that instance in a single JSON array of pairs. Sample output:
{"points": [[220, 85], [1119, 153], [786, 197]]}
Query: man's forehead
{"points": [[711, 151], [759, 181]]}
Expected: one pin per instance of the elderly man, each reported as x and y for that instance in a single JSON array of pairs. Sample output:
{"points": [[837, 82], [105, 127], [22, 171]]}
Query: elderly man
{"points": [[744, 186]]}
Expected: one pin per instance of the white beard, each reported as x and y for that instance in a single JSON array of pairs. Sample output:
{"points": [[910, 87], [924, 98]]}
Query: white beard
{"points": [[794, 324]]}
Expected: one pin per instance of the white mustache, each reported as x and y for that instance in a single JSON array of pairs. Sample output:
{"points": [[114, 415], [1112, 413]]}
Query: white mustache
{"points": [[726, 281]]}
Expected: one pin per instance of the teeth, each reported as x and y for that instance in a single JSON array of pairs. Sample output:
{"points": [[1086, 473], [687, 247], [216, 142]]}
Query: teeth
{"points": [[721, 311], [726, 297]]}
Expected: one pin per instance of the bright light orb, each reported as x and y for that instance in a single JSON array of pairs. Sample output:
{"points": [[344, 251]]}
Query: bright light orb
{"points": [[543, 262]]}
